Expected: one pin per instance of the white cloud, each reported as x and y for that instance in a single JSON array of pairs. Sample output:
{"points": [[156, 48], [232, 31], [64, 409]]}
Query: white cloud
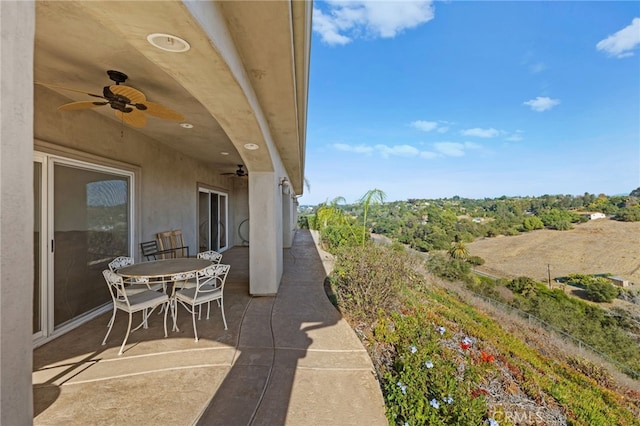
{"points": [[455, 149], [397, 150], [425, 126], [449, 149], [623, 42], [344, 21], [328, 28], [385, 151], [481, 133], [359, 149], [428, 154], [515, 137], [542, 103]]}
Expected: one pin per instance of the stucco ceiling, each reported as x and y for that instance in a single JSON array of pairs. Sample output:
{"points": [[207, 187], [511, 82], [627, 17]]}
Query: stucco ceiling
{"points": [[261, 99]]}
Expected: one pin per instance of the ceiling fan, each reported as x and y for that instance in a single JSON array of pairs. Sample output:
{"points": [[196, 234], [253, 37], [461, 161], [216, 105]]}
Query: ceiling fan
{"points": [[241, 172], [130, 105]]}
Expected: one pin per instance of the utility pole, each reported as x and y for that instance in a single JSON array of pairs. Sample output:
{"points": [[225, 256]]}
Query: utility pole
{"points": [[549, 273]]}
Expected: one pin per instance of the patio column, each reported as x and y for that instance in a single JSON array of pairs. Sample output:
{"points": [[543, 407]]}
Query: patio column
{"points": [[265, 234], [17, 27], [288, 224]]}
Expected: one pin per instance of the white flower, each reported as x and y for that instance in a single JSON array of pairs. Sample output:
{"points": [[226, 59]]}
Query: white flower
{"points": [[413, 349], [441, 330], [402, 387], [434, 403], [428, 364], [492, 422], [448, 399]]}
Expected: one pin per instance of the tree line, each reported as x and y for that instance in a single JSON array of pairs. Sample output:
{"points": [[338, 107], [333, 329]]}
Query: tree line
{"points": [[435, 224]]}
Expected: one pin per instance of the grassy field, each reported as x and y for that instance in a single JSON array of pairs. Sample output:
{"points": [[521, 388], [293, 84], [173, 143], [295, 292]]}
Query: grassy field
{"points": [[595, 247]]}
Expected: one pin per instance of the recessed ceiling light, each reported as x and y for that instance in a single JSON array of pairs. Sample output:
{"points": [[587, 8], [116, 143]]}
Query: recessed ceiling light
{"points": [[224, 153], [168, 42], [251, 146], [186, 125]]}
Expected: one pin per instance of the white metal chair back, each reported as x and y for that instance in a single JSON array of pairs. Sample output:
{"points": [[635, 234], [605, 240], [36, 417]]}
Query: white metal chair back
{"points": [[211, 255], [211, 279], [116, 288], [120, 262]]}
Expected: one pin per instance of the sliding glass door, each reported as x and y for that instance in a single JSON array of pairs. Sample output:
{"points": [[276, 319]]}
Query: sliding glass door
{"points": [[86, 211], [212, 219]]}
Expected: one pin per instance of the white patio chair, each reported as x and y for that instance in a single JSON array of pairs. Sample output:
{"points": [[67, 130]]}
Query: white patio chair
{"points": [[211, 255], [132, 285], [209, 287], [214, 257], [145, 302]]}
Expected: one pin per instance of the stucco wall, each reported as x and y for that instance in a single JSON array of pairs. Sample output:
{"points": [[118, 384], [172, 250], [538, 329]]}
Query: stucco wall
{"points": [[167, 180], [17, 24]]}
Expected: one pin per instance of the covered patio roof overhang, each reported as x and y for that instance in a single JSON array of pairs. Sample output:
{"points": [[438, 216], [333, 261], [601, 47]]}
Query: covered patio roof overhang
{"points": [[242, 85]]}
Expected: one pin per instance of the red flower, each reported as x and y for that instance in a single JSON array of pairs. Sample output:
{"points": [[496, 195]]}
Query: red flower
{"points": [[486, 357], [465, 345]]}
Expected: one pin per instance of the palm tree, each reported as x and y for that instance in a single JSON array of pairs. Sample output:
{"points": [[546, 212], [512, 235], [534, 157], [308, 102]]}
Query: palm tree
{"points": [[370, 197], [458, 251], [329, 213]]}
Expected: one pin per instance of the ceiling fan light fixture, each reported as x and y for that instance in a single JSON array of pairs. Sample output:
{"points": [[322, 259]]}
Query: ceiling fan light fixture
{"points": [[251, 146], [168, 42], [186, 125], [224, 153]]}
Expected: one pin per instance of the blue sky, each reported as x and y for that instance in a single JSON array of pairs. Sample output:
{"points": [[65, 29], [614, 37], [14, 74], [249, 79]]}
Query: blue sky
{"points": [[478, 99]]}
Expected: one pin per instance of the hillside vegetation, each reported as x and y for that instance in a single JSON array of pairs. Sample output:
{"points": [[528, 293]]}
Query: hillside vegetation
{"points": [[443, 357], [440, 360]]}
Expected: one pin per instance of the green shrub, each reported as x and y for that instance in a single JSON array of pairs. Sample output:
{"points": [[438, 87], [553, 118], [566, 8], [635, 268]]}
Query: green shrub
{"points": [[369, 279], [303, 221], [449, 269], [602, 290], [629, 214], [531, 223], [337, 236], [523, 285], [475, 260]]}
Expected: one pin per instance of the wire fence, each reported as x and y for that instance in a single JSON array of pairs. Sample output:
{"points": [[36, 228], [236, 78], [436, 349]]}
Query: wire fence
{"points": [[533, 320]]}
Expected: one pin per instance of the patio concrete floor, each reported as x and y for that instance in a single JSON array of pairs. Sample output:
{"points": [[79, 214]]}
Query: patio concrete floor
{"points": [[288, 359]]}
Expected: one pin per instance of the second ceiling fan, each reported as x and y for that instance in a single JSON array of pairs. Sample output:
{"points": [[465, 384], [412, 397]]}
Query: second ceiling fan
{"points": [[240, 172]]}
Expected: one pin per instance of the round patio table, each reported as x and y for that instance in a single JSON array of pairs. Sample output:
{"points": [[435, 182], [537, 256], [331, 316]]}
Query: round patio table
{"points": [[159, 270]]}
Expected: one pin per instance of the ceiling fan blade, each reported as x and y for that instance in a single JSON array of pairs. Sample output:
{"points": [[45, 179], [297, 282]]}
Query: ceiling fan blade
{"points": [[134, 95], [55, 86], [134, 118], [163, 112], [74, 106]]}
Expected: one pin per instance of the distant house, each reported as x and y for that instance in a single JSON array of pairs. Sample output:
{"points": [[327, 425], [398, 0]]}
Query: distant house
{"points": [[619, 281], [594, 216]]}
